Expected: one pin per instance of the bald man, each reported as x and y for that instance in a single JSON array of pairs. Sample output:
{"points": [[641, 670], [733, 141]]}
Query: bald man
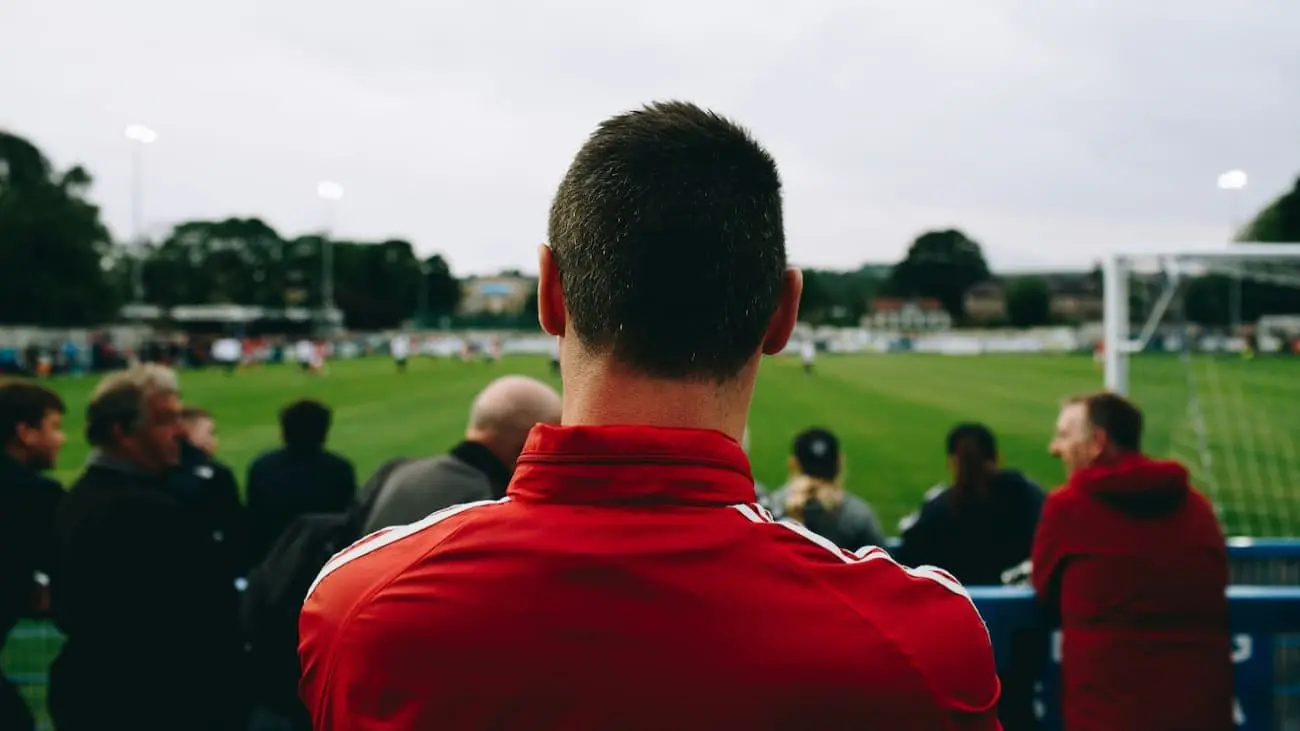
{"points": [[479, 468]]}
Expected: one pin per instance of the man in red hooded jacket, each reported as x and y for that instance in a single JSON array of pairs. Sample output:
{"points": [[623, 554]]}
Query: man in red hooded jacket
{"points": [[1134, 560], [629, 580]]}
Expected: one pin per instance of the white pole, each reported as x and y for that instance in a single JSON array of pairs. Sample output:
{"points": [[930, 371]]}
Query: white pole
{"points": [[331, 193], [1234, 181], [1115, 307], [139, 135]]}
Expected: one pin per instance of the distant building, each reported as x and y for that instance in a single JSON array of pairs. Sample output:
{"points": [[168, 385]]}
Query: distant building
{"points": [[1076, 297], [504, 294], [907, 315], [986, 302]]}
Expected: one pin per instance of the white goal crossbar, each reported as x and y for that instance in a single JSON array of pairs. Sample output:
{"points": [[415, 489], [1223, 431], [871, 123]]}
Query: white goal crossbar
{"points": [[1118, 342]]}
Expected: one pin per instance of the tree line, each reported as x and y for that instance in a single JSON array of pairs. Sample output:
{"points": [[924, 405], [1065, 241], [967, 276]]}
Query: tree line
{"points": [[60, 266]]}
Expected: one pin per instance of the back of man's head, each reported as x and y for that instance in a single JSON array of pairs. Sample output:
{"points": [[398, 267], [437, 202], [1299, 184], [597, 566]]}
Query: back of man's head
{"points": [[668, 237], [305, 424], [1117, 417], [507, 409]]}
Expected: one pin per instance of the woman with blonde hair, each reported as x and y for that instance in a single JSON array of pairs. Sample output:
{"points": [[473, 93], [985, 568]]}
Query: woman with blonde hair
{"points": [[815, 494]]}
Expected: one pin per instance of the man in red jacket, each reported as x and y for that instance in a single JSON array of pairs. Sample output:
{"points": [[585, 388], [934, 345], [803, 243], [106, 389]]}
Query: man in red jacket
{"points": [[629, 580], [1136, 563]]}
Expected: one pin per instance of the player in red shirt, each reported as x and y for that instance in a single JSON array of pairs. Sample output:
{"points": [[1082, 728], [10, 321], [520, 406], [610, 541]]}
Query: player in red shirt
{"points": [[629, 580], [1134, 560]]}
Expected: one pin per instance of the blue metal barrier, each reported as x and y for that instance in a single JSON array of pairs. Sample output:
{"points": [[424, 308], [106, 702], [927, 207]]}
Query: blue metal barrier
{"points": [[1239, 549], [1258, 615]]}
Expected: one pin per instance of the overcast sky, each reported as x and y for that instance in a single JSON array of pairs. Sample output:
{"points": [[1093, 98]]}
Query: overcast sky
{"points": [[1050, 131]]}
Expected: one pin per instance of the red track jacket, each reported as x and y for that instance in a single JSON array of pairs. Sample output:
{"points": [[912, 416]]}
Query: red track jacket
{"points": [[1137, 564], [628, 581]]}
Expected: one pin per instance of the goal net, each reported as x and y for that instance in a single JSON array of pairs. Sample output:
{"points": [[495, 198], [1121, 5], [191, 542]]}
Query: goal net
{"points": [[1208, 344]]}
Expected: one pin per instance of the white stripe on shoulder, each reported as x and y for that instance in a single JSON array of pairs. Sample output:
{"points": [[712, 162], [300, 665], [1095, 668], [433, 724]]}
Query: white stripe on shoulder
{"points": [[862, 555], [388, 536]]}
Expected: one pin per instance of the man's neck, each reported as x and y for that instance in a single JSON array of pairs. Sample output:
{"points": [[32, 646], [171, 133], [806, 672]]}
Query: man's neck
{"points": [[602, 396]]}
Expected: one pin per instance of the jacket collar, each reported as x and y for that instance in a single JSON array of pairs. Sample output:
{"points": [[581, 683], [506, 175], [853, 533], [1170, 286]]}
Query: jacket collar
{"points": [[481, 458], [113, 463], [632, 465]]}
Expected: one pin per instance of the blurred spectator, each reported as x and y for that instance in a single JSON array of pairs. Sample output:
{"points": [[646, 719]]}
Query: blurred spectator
{"points": [[983, 523], [628, 580], [210, 486], [480, 466], [31, 434], [1135, 562], [815, 494], [978, 529], [139, 590], [299, 478], [273, 600]]}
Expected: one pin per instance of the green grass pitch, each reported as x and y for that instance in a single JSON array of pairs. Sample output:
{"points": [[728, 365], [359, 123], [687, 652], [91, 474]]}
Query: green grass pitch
{"points": [[891, 412]]}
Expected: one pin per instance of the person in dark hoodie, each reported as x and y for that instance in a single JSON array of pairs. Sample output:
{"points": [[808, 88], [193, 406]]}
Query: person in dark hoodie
{"points": [[1133, 559], [980, 528], [302, 477], [982, 524]]}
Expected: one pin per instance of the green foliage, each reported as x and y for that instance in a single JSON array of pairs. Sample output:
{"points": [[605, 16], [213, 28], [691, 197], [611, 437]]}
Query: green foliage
{"points": [[1029, 302], [53, 247], [1279, 222], [942, 265], [837, 298]]}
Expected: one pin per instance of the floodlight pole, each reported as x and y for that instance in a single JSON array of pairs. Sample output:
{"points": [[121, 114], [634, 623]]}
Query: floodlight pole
{"points": [[329, 192], [139, 136]]}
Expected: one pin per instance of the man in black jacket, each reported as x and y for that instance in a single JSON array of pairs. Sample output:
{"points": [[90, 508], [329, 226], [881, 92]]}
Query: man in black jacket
{"points": [[210, 486], [139, 590], [299, 478], [31, 433]]}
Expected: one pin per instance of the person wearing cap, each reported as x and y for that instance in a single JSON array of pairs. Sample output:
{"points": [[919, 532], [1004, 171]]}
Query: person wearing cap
{"points": [[815, 494]]}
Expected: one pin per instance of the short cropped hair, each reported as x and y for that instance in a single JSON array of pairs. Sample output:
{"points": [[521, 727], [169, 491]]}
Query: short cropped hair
{"points": [[27, 403], [1120, 418], [119, 400], [305, 423], [668, 235]]}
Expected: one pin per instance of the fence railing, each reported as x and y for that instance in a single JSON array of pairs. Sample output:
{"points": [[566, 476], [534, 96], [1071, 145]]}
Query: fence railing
{"points": [[1265, 622]]}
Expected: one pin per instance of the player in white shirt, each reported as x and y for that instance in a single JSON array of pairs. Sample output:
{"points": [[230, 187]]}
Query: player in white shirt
{"points": [[227, 352], [808, 351], [400, 348], [304, 352]]}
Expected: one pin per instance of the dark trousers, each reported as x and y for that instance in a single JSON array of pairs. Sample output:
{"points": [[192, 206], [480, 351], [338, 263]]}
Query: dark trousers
{"points": [[14, 713]]}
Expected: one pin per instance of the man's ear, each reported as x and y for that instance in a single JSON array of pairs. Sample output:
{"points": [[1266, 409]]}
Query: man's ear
{"points": [[781, 326], [550, 294]]}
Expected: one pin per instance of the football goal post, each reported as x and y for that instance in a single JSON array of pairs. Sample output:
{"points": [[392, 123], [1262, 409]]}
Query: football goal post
{"points": [[1208, 344]]}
